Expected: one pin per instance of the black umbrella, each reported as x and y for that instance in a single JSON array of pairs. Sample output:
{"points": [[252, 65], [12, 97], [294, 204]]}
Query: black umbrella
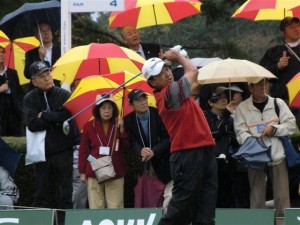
{"points": [[21, 22], [9, 158]]}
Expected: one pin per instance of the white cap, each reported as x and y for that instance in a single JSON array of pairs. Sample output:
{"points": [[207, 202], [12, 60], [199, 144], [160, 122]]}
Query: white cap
{"points": [[152, 67]]}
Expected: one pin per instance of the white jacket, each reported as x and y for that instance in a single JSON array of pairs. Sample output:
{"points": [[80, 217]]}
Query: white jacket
{"points": [[247, 117]]}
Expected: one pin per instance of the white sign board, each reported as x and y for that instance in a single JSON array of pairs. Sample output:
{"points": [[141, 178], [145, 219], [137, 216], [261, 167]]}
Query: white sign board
{"points": [[95, 5], [76, 6]]}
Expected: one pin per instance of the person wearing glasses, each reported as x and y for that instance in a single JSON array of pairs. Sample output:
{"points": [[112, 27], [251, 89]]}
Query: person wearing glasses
{"points": [[256, 116], [46, 52]]}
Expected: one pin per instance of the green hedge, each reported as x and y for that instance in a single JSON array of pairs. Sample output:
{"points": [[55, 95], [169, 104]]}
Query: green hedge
{"points": [[24, 175]]}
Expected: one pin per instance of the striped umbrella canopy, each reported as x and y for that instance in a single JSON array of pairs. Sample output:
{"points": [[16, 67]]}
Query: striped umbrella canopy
{"points": [[95, 58], [296, 11], [266, 9], [145, 13], [89, 87], [15, 53], [293, 87]]}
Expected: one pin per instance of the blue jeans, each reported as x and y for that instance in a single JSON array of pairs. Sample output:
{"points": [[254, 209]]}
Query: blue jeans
{"points": [[194, 194]]}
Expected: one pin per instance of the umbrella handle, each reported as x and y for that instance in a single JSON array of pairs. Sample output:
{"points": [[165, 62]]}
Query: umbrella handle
{"points": [[66, 126], [40, 35]]}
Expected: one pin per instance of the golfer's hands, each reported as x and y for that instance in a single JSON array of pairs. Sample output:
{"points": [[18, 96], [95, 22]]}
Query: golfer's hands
{"points": [[42, 52], [172, 55], [146, 154], [283, 61], [268, 131]]}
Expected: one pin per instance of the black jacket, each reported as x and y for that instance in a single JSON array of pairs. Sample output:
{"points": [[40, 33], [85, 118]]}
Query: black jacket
{"points": [[151, 50], [33, 56], [16, 92], [270, 60], [159, 140], [222, 130], [34, 102]]}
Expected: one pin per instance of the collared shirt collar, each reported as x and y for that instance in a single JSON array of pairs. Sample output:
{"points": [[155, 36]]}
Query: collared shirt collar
{"points": [[3, 72], [294, 44]]}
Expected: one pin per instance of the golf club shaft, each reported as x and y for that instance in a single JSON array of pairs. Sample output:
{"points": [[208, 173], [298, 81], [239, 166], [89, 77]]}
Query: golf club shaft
{"points": [[104, 96]]}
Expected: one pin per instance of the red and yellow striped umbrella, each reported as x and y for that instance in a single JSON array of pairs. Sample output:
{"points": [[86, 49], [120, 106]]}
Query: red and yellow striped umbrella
{"points": [[121, 95], [293, 87], [89, 87], [86, 60], [266, 9], [15, 53], [145, 13], [296, 11]]}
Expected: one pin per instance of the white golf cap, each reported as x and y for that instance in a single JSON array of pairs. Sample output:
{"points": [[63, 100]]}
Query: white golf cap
{"points": [[152, 67]]}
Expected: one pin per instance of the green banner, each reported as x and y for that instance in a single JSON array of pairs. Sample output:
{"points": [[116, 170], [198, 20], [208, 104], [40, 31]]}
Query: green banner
{"points": [[292, 216], [130, 216], [26, 217], [245, 217]]}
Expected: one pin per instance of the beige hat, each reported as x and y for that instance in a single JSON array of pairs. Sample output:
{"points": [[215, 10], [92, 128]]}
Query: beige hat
{"points": [[254, 80], [100, 99]]}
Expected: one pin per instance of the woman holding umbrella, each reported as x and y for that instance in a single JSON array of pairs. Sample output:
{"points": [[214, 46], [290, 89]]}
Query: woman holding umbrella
{"points": [[102, 137]]}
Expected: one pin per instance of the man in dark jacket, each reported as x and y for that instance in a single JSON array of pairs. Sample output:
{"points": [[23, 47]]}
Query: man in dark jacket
{"points": [[43, 110], [11, 97], [132, 39], [149, 140], [46, 52], [284, 60]]}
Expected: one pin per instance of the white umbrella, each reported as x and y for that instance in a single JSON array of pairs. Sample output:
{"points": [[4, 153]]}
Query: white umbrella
{"points": [[231, 70]]}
